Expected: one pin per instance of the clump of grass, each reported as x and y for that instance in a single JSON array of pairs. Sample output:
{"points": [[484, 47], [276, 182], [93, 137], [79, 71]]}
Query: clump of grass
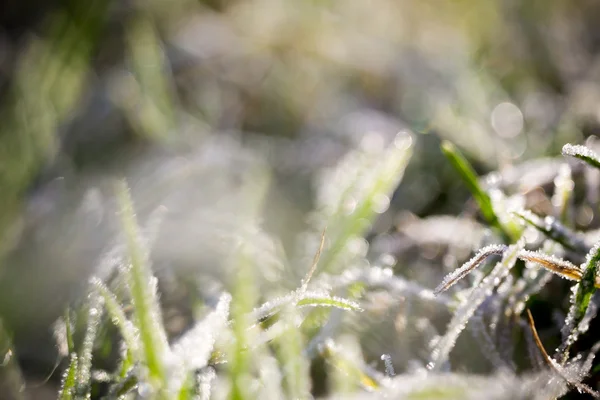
{"points": [[562, 239], [250, 346], [238, 334]]}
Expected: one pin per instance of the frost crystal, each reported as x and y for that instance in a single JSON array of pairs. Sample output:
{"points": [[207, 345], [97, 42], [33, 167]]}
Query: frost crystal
{"points": [[476, 297], [581, 152], [467, 267]]}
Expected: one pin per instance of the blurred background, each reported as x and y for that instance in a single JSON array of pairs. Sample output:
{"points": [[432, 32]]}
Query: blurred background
{"points": [[202, 104]]}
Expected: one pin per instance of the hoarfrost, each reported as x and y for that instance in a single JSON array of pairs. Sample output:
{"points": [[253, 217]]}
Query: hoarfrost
{"points": [[476, 297]]}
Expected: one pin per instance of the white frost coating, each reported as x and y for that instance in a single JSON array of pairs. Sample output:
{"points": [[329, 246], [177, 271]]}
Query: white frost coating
{"points": [[577, 150], [560, 267], [194, 348], [467, 267], [205, 381], [192, 351], [571, 332], [96, 307], [476, 297], [324, 299], [310, 299]]}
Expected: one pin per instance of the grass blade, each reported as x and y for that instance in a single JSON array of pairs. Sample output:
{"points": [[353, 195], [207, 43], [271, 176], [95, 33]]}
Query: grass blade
{"points": [[84, 376], [469, 177], [377, 176], [117, 315], [295, 364], [583, 153], [143, 294], [581, 300], [469, 266], [325, 300], [554, 365], [67, 390], [554, 230], [465, 311]]}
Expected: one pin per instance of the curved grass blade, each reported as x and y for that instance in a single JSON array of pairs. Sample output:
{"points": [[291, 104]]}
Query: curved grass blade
{"points": [[554, 230], [324, 300], [583, 153], [559, 266], [467, 267], [469, 177], [555, 366]]}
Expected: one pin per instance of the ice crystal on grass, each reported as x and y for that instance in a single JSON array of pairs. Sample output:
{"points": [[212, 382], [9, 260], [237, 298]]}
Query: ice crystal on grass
{"points": [[572, 376], [128, 331], [583, 153], [576, 323], [479, 329], [553, 229], [142, 287], [554, 264], [69, 380], [194, 348], [467, 267], [303, 299], [205, 382], [475, 298], [84, 366]]}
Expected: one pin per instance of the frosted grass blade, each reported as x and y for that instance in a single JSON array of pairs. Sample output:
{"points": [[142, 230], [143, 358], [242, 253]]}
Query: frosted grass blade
{"points": [[583, 153], [95, 308], [554, 365], [69, 380], [554, 230], [117, 315], [143, 294], [193, 349], [580, 300], [467, 267], [375, 180], [295, 365], [324, 300], [465, 311]]}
